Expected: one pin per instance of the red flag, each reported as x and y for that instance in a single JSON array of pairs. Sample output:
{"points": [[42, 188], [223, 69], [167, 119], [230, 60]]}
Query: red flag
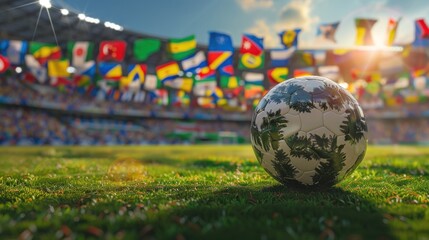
{"points": [[423, 27], [112, 50], [4, 64]]}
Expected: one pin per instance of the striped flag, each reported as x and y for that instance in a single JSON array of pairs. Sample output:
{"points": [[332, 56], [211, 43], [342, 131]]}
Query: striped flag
{"points": [[194, 63], [181, 48], [14, 50], [44, 51], [280, 57]]}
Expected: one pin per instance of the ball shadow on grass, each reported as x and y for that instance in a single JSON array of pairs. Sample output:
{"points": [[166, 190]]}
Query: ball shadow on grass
{"points": [[277, 212]]}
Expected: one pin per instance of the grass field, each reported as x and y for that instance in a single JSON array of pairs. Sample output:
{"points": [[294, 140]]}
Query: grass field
{"points": [[204, 192]]}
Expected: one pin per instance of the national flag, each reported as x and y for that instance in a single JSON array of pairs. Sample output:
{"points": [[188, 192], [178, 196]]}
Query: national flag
{"points": [[220, 52], [195, 63], [180, 99], [80, 52], [181, 83], [202, 87], [4, 64], [305, 59], [167, 71], [144, 48], [363, 31], [215, 93], [289, 38], [392, 25], [159, 97], [229, 82], [206, 72], [58, 68], [14, 50], [60, 81], [252, 44], [252, 52], [181, 48], [87, 69], [277, 75], [43, 52], [206, 102], [112, 50], [280, 57], [135, 77], [421, 35], [301, 72], [221, 61], [332, 72], [110, 70], [220, 42], [38, 70], [326, 31], [253, 85], [152, 82]]}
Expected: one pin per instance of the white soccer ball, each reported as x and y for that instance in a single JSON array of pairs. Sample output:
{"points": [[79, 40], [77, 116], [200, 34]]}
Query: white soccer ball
{"points": [[309, 131]]}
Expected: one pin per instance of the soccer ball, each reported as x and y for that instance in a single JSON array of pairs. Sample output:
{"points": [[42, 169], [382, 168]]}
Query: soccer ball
{"points": [[309, 131]]}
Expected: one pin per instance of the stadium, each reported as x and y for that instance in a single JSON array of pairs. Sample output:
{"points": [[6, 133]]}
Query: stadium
{"points": [[113, 133]]}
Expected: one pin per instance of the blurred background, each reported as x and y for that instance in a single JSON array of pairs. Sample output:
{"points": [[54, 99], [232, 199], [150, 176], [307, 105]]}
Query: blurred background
{"points": [[97, 73]]}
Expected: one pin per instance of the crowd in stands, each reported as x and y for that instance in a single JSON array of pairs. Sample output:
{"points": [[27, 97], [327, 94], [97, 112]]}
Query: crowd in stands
{"points": [[21, 124]]}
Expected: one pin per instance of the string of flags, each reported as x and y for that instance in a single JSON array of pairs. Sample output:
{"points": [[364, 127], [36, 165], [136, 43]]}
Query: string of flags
{"points": [[215, 77]]}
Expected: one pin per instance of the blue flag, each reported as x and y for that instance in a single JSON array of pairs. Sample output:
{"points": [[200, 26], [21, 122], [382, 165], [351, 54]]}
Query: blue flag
{"points": [[220, 42]]}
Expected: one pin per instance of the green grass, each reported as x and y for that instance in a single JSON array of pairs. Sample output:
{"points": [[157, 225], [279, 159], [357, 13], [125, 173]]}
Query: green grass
{"points": [[204, 192]]}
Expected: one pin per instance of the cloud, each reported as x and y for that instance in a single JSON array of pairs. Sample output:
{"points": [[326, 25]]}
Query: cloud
{"points": [[248, 5], [296, 14], [261, 29]]}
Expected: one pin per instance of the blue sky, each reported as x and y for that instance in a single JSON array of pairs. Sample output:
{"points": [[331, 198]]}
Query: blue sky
{"points": [[265, 18]]}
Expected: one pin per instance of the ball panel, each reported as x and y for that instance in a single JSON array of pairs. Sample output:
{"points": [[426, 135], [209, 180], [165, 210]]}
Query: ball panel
{"points": [[306, 178], [311, 120], [333, 120], [293, 125]]}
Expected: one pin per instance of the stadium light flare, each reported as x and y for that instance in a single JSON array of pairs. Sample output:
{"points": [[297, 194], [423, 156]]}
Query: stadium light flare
{"points": [[64, 12], [113, 26], [81, 16], [18, 70], [92, 20], [45, 3], [71, 69]]}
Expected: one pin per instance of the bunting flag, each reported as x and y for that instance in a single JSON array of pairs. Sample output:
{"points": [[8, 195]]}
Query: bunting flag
{"points": [[332, 72], [326, 32], [4, 64], [363, 31], [181, 48], [14, 51], [135, 77], [301, 72], [289, 38], [152, 82], [58, 68], [392, 25], [202, 87], [36, 69], [167, 71], [252, 52], [229, 82], [180, 99], [220, 52], [159, 97], [144, 48], [110, 70], [277, 75], [253, 85], [112, 50], [280, 57], [181, 83], [43, 52], [195, 63], [421, 35], [80, 52]]}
